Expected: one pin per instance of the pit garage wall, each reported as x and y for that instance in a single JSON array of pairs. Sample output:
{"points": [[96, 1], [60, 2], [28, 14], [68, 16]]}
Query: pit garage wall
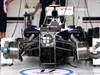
{"points": [[13, 11], [80, 11], [93, 10]]}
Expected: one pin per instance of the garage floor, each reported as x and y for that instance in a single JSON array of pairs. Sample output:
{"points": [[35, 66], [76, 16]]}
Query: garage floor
{"points": [[83, 68]]}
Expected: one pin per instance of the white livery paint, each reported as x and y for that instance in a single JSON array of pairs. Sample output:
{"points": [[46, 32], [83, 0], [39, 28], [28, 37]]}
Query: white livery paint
{"points": [[62, 11]]}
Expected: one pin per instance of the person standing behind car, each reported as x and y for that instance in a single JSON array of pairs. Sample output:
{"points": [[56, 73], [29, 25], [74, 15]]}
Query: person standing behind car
{"points": [[3, 16]]}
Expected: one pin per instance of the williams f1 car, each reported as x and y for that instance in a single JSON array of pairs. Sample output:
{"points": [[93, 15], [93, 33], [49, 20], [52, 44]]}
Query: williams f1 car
{"points": [[54, 42]]}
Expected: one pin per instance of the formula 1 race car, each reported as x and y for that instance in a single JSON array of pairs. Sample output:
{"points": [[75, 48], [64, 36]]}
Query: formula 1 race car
{"points": [[53, 42]]}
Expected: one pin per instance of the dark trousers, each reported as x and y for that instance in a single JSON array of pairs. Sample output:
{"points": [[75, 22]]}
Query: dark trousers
{"points": [[42, 17], [3, 22]]}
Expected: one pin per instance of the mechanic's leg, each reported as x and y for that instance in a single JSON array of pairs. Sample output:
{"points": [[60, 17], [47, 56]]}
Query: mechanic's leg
{"points": [[42, 17], [3, 25], [62, 2]]}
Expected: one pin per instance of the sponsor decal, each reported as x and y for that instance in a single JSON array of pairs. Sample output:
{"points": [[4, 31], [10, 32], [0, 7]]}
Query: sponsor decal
{"points": [[61, 11], [39, 71]]}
